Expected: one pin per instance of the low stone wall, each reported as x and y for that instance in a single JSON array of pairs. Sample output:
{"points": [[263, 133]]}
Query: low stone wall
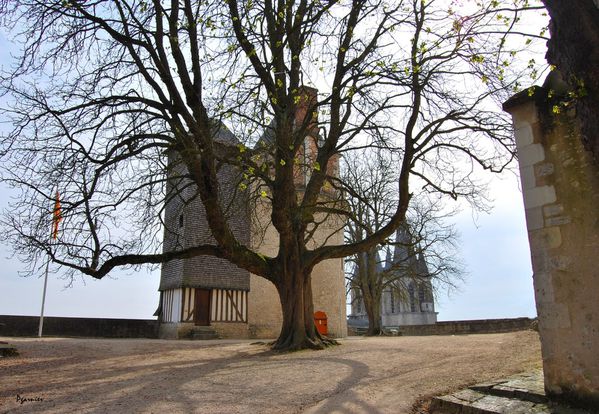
{"points": [[478, 326], [11, 325], [469, 327]]}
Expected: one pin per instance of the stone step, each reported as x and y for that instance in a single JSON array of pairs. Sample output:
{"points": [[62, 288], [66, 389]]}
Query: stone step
{"points": [[203, 329], [521, 388], [203, 333], [204, 336], [473, 402], [521, 394]]}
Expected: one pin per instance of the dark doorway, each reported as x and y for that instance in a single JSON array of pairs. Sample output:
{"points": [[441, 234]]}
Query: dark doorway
{"points": [[201, 313]]}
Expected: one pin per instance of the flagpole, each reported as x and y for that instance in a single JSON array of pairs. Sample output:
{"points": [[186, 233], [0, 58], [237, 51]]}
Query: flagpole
{"points": [[56, 217], [41, 325]]}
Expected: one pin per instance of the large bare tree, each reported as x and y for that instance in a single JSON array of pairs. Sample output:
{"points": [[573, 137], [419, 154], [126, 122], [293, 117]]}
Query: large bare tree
{"points": [[104, 88]]}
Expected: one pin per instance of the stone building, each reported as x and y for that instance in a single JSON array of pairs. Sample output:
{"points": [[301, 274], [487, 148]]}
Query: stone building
{"points": [[208, 291], [407, 298]]}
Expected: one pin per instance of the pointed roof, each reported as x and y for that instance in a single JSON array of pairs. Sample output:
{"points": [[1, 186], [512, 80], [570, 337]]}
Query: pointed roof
{"points": [[402, 241], [404, 247], [408, 259], [388, 258], [380, 265], [223, 134], [421, 266], [268, 136], [308, 100]]}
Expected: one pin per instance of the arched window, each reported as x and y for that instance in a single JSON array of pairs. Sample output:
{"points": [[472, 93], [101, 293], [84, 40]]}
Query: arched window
{"points": [[412, 297], [357, 301]]}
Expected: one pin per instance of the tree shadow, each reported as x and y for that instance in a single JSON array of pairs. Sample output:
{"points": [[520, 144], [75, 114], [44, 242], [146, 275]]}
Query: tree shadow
{"points": [[344, 399], [176, 376]]}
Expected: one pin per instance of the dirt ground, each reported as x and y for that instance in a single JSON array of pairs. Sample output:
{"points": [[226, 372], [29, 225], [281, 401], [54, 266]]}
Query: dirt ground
{"points": [[362, 375]]}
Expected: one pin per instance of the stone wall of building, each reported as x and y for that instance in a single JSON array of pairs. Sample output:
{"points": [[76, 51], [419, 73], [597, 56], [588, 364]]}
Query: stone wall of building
{"points": [[231, 330], [328, 288], [175, 330], [328, 281], [264, 309], [560, 186]]}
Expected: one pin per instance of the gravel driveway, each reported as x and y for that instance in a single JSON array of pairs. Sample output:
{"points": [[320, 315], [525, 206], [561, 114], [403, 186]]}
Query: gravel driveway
{"points": [[363, 375]]}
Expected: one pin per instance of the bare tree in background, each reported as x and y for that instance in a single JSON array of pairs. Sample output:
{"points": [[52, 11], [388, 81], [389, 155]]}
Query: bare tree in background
{"points": [[102, 89], [423, 236]]}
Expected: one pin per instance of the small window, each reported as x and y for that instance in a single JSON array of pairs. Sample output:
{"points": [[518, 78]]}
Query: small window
{"points": [[421, 294], [412, 298], [392, 302], [181, 221]]}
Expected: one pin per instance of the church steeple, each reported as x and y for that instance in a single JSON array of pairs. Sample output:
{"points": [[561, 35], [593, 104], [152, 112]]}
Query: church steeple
{"points": [[388, 258], [422, 268], [404, 253], [402, 242]]}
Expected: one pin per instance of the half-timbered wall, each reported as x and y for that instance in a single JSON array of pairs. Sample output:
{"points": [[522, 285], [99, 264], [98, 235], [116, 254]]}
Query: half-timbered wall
{"points": [[171, 305], [226, 305], [229, 306], [188, 305]]}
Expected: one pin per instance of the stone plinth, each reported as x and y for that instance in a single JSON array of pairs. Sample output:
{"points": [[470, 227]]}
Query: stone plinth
{"points": [[560, 186]]}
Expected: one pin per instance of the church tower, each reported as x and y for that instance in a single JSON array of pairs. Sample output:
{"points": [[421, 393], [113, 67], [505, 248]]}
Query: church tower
{"points": [[408, 298]]}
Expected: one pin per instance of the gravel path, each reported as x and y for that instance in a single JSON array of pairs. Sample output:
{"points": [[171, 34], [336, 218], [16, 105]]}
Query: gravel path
{"points": [[363, 375]]}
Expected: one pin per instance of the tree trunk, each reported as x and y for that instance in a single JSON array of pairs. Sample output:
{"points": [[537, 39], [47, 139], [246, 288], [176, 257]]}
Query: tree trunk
{"points": [[372, 290], [373, 310], [574, 50], [298, 330]]}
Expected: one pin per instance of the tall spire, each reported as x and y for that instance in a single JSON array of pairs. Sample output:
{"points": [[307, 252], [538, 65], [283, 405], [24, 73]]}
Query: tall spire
{"points": [[389, 257], [422, 267], [404, 248], [402, 243]]}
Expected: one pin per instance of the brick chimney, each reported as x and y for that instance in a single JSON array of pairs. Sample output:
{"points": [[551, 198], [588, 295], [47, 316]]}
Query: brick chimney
{"points": [[307, 111]]}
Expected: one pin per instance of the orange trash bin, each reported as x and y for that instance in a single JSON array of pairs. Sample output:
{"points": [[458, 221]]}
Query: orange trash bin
{"points": [[320, 320]]}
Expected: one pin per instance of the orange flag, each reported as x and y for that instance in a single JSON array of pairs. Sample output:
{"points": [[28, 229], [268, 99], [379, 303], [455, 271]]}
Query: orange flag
{"points": [[56, 216]]}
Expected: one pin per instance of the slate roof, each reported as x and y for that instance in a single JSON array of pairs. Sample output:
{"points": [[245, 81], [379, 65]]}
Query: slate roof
{"points": [[185, 207]]}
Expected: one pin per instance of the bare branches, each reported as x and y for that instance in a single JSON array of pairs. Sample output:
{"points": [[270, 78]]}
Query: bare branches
{"points": [[421, 254], [104, 90]]}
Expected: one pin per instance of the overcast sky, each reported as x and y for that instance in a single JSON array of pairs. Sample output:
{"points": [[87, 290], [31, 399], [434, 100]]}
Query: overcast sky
{"points": [[494, 248]]}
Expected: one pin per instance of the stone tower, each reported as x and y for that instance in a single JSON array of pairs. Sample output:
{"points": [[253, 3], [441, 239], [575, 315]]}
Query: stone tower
{"points": [[203, 290], [209, 291]]}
